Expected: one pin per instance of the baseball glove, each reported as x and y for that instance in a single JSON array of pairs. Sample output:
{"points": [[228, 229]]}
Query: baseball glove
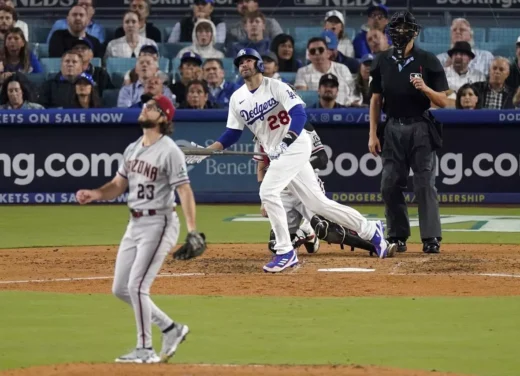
{"points": [[195, 246]]}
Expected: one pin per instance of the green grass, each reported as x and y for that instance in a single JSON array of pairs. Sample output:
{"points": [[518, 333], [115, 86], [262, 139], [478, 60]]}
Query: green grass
{"points": [[468, 335], [31, 226]]}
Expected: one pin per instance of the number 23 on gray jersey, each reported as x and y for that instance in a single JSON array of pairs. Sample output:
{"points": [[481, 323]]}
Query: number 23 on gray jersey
{"points": [[153, 173]]}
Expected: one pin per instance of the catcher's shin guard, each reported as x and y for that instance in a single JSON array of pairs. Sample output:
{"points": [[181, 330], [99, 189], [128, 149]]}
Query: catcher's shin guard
{"points": [[333, 233], [297, 239]]}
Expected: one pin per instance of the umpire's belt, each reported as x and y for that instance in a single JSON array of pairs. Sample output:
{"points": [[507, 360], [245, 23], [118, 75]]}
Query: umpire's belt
{"points": [[149, 212], [407, 120]]}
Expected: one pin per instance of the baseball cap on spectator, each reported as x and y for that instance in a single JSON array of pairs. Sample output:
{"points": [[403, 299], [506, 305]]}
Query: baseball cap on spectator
{"points": [[191, 56], [329, 78], [270, 56], [331, 39], [85, 77], [149, 49], [165, 105], [380, 7], [463, 47], [83, 42], [366, 58], [335, 13]]}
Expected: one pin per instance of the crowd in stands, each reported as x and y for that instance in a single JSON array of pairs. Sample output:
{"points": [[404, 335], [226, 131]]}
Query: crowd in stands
{"points": [[332, 71]]}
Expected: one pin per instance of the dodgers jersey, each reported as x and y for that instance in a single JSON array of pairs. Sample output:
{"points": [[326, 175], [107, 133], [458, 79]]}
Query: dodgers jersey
{"points": [[153, 173], [265, 112]]}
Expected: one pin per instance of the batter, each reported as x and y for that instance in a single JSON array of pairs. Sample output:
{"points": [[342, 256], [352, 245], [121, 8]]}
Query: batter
{"points": [[153, 167], [276, 116]]}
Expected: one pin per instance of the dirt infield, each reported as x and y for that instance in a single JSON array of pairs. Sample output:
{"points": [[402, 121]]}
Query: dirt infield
{"points": [[230, 270]]}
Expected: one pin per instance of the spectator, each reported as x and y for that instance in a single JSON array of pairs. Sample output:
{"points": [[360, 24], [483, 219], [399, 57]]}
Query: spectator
{"points": [[203, 41], [15, 95], [255, 28], [459, 72], [85, 95], [93, 28], [468, 98], [83, 47], [17, 55], [130, 44], [146, 29], [146, 50], [190, 69], [513, 81], [197, 95], [63, 40], [220, 90], [146, 67], [377, 41], [154, 86], [59, 91], [495, 93], [202, 10], [377, 19], [21, 24], [461, 32], [238, 32], [335, 22], [361, 82], [308, 77], [283, 46], [332, 45], [328, 92], [7, 19]]}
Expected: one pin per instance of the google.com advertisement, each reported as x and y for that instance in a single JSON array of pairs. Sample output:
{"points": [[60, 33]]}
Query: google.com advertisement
{"points": [[48, 164]]}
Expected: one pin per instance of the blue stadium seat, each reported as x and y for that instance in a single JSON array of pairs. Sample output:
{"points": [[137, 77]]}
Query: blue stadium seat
{"points": [[117, 78], [167, 31], [39, 34], [96, 61], [439, 34], [308, 96], [37, 79], [119, 64], [288, 76], [303, 34], [435, 48], [110, 97], [499, 48], [51, 65], [164, 64], [40, 49], [170, 50], [350, 32], [504, 35], [479, 35], [300, 49]]}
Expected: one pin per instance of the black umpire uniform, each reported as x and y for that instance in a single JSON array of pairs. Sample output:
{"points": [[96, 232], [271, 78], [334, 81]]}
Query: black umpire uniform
{"points": [[410, 135]]}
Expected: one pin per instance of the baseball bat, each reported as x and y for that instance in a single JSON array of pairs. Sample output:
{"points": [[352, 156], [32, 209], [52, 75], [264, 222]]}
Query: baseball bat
{"points": [[204, 151]]}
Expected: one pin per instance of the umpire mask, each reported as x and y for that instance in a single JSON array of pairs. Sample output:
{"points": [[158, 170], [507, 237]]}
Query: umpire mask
{"points": [[402, 28]]}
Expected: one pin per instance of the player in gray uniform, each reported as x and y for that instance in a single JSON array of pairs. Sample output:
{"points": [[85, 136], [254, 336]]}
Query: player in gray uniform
{"points": [[153, 168]]}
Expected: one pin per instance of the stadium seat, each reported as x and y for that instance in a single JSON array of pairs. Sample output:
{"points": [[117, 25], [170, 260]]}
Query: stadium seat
{"points": [[504, 35], [499, 48], [39, 34], [96, 61], [110, 97], [117, 78], [51, 65], [170, 50], [435, 48], [304, 33], [119, 64], [350, 32], [432, 35], [308, 96], [288, 76], [37, 79]]}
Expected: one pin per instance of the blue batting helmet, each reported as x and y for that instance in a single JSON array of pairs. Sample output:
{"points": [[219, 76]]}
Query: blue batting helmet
{"points": [[250, 52]]}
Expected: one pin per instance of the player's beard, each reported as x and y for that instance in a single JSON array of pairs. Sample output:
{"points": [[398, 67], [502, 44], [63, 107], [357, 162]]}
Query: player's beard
{"points": [[147, 124]]}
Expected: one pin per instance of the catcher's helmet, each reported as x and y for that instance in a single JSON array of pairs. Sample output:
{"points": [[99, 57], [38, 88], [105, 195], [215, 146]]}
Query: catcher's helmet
{"points": [[250, 52], [402, 28]]}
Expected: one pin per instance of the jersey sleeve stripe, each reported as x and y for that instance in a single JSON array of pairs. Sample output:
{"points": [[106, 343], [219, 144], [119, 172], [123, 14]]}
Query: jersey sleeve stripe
{"points": [[317, 149], [126, 177], [180, 182], [258, 158]]}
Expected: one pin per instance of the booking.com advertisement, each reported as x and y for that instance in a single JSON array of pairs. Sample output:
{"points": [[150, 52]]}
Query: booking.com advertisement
{"points": [[47, 161]]}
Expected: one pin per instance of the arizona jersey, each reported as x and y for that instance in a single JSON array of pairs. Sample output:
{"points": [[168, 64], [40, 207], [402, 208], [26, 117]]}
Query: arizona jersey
{"points": [[265, 112], [153, 173]]}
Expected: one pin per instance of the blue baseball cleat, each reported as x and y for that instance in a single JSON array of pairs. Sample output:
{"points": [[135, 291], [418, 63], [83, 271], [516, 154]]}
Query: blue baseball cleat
{"points": [[281, 262], [383, 248]]}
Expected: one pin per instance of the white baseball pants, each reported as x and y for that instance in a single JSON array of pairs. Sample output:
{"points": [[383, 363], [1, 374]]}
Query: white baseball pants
{"points": [[294, 171]]}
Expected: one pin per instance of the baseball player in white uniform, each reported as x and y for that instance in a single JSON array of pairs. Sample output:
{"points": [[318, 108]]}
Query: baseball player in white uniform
{"points": [[153, 167], [276, 116]]}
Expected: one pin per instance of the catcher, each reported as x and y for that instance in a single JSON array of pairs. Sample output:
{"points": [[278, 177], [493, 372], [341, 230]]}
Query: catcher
{"points": [[313, 227]]}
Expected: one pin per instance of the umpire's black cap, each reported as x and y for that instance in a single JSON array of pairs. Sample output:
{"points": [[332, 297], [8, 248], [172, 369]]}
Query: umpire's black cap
{"points": [[329, 78]]}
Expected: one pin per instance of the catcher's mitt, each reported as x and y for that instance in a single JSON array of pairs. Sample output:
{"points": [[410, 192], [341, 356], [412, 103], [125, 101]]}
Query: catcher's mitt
{"points": [[195, 246]]}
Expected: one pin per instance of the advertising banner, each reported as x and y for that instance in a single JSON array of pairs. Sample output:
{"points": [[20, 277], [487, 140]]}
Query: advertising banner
{"points": [[45, 156]]}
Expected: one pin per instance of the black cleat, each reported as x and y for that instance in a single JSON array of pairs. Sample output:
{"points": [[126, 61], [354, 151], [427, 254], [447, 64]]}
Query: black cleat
{"points": [[401, 244], [431, 246]]}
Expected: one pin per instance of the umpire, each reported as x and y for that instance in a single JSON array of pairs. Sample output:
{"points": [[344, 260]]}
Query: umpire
{"points": [[404, 81]]}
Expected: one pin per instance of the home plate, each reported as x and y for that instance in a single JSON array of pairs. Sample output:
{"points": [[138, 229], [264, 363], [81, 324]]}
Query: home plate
{"points": [[347, 270]]}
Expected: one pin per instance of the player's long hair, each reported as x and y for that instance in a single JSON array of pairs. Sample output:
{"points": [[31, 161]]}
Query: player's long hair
{"points": [[166, 128]]}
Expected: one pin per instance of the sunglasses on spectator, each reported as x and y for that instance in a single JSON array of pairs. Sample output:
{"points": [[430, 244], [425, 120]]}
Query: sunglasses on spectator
{"points": [[317, 51]]}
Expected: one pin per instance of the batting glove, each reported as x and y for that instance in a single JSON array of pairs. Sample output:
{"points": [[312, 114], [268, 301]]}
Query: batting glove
{"points": [[288, 139], [195, 159]]}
